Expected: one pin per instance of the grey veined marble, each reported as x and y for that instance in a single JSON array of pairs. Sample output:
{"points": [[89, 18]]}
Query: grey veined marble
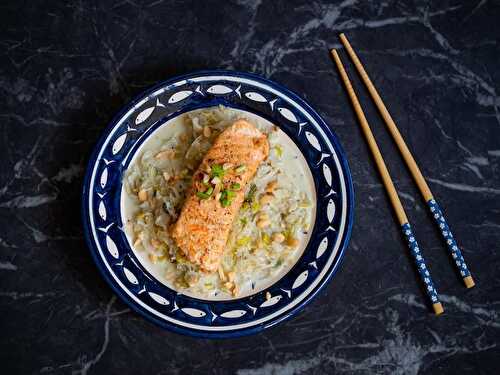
{"points": [[67, 67]]}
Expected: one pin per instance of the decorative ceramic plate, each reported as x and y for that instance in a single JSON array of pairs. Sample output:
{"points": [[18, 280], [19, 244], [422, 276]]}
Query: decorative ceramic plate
{"points": [[152, 298]]}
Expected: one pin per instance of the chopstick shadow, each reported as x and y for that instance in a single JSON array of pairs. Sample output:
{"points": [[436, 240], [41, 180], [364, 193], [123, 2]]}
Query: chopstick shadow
{"points": [[72, 147]]}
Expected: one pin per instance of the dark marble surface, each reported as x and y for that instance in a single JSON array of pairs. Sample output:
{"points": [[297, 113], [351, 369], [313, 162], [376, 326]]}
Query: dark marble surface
{"points": [[67, 67]]}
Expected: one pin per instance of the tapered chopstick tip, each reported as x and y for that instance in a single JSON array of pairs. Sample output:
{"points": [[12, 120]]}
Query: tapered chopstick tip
{"points": [[438, 308], [469, 281], [337, 60]]}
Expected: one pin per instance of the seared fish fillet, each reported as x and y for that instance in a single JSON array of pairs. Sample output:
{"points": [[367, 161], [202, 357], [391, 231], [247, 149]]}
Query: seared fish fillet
{"points": [[217, 192]]}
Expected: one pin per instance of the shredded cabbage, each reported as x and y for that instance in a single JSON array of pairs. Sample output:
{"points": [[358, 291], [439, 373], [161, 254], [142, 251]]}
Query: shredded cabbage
{"points": [[251, 255]]}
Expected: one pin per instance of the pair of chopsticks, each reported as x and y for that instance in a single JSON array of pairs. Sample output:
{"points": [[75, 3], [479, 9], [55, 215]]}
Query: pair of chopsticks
{"points": [[436, 212]]}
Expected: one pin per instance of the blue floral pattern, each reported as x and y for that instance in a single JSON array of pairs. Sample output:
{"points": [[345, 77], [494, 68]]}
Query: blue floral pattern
{"points": [[451, 244], [420, 262]]}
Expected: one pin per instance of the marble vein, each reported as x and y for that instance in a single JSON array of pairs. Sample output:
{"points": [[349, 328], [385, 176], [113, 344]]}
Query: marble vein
{"points": [[68, 67]]}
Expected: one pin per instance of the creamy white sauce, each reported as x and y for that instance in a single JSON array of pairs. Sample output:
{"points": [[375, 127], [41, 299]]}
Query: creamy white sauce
{"points": [[292, 165]]}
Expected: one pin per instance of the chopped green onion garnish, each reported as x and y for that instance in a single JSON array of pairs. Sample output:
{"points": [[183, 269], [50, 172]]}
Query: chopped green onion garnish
{"points": [[235, 186], [202, 195], [205, 194], [226, 197], [217, 170]]}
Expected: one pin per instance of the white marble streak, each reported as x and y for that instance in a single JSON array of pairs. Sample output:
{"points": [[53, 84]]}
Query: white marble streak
{"points": [[87, 364], [4, 243], [23, 201], [8, 266], [399, 352], [40, 237], [372, 319], [406, 196], [269, 57], [478, 160], [37, 121], [464, 76], [68, 174], [290, 367], [465, 187], [443, 42], [22, 164], [242, 43], [476, 8], [474, 169], [26, 295], [372, 24]]}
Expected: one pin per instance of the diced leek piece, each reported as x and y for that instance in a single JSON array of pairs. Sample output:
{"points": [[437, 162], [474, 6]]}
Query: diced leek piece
{"points": [[279, 150], [266, 239], [241, 168], [242, 241]]}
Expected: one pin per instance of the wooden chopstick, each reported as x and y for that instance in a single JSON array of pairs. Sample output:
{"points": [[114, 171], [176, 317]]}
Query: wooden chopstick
{"points": [[391, 191], [436, 211]]}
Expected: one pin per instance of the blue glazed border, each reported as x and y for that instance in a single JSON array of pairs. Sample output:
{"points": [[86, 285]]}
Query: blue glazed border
{"points": [[307, 299]]}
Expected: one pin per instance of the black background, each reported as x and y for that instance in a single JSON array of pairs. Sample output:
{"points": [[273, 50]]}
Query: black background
{"points": [[68, 67]]}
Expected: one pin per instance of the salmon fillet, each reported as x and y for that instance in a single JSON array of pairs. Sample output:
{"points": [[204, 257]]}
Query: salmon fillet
{"points": [[205, 221]]}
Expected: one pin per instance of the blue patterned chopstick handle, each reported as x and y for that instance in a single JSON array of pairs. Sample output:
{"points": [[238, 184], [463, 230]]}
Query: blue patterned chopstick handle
{"points": [[437, 214], [420, 262]]}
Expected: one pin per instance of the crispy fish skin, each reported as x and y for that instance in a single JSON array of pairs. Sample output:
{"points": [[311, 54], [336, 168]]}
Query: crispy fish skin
{"points": [[203, 227]]}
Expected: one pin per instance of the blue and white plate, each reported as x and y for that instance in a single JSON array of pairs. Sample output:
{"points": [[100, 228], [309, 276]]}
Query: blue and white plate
{"points": [[165, 306]]}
